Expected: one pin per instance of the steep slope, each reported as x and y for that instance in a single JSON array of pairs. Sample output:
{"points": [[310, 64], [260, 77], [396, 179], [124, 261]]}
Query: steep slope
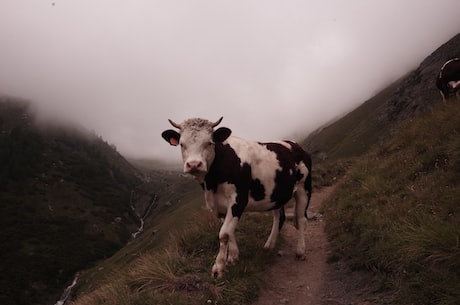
{"points": [[65, 202], [372, 122], [396, 211]]}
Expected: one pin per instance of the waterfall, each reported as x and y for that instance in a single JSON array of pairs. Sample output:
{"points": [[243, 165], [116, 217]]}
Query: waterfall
{"points": [[146, 213], [67, 292]]}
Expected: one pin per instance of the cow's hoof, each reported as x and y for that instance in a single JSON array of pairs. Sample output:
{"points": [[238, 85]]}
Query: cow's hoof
{"points": [[217, 273]]}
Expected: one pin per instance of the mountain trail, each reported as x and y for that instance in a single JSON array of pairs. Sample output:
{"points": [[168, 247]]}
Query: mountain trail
{"points": [[314, 281]]}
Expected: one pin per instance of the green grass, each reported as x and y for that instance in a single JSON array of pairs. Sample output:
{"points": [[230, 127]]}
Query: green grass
{"points": [[397, 211]]}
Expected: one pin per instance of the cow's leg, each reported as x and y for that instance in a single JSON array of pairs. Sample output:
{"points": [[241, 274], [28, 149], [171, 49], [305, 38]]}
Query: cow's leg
{"points": [[228, 248], [271, 241], [446, 93], [443, 96], [300, 221]]}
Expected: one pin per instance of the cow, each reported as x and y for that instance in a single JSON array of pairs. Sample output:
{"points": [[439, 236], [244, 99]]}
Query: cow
{"points": [[448, 80], [239, 175]]}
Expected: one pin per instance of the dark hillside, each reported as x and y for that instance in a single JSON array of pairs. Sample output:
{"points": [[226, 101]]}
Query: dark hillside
{"points": [[64, 202], [372, 122]]}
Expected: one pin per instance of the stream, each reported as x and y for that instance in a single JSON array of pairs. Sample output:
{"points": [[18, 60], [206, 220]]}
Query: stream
{"points": [[146, 213], [68, 290]]}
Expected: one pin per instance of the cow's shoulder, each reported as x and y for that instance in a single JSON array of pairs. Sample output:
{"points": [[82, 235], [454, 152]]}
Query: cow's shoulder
{"points": [[252, 152], [227, 167]]}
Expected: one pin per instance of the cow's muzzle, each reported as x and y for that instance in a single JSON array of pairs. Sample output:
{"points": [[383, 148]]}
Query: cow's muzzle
{"points": [[194, 167]]}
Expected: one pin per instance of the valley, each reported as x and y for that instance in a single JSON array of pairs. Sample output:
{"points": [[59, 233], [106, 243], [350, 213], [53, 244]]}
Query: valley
{"points": [[71, 203]]}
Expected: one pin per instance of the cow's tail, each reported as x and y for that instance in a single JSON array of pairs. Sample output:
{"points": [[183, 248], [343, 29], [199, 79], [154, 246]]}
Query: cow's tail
{"points": [[282, 218], [308, 187]]}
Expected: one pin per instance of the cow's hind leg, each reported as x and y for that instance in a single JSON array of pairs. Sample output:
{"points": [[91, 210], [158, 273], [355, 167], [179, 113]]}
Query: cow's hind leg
{"points": [[300, 221], [278, 219]]}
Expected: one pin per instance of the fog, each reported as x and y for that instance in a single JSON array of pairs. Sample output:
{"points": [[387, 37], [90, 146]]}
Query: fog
{"points": [[273, 69]]}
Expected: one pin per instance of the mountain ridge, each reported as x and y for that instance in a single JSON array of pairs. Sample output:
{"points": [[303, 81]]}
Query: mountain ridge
{"points": [[60, 188], [373, 121]]}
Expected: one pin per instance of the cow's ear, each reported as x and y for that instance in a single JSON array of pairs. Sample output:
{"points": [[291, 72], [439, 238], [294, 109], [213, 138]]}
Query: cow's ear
{"points": [[221, 134], [171, 136]]}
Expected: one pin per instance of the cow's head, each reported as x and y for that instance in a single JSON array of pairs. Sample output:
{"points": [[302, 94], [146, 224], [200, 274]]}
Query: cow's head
{"points": [[197, 139]]}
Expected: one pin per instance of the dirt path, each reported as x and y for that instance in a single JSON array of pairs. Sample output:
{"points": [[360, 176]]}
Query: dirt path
{"points": [[313, 281]]}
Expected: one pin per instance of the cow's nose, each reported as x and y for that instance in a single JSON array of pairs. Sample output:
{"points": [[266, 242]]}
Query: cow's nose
{"points": [[193, 166]]}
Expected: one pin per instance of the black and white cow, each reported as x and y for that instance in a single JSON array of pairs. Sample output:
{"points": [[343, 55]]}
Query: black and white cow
{"points": [[448, 80], [239, 175]]}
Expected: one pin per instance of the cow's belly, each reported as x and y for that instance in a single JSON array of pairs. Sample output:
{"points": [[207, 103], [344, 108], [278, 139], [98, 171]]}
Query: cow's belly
{"points": [[259, 206], [225, 197]]}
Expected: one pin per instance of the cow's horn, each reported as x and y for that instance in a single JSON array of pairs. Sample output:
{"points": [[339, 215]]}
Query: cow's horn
{"points": [[178, 126], [217, 122]]}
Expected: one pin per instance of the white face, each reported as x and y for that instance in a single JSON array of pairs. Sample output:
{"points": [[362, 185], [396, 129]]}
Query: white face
{"points": [[197, 151]]}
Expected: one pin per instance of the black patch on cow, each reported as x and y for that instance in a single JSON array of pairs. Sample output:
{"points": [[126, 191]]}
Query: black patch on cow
{"points": [[298, 175], [257, 190], [227, 168], [285, 178], [237, 210]]}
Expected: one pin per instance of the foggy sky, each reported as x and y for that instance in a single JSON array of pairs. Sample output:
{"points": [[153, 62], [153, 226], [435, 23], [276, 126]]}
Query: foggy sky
{"points": [[273, 69]]}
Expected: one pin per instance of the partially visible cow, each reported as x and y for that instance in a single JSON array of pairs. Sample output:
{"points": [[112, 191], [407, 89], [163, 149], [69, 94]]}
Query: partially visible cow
{"points": [[239, 175], [448, 80]]}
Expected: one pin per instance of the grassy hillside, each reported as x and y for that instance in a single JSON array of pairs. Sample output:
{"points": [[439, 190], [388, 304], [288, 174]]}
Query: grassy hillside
{"points": [[64, 198], [170, 262], [177, 271], [353, 134], [373, 122], [397, 213]]}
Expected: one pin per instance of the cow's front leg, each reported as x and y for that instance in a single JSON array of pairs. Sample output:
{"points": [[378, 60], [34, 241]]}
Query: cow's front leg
{"points": [[228, 248]]}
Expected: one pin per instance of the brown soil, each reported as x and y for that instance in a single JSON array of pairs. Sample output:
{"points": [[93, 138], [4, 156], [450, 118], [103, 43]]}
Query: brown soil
{"points": [[314, 281]]}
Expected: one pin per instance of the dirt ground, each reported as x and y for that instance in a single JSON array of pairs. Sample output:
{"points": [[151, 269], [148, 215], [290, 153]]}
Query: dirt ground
{"points": [[314, 281]]}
